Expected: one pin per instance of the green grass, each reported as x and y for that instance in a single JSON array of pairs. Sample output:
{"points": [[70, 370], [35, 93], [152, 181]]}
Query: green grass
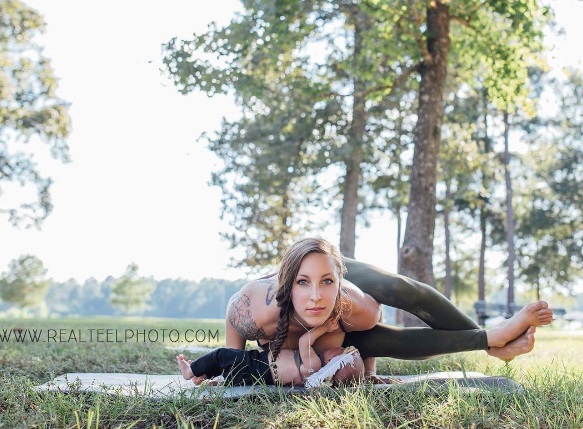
{"points": [[552, 376]]}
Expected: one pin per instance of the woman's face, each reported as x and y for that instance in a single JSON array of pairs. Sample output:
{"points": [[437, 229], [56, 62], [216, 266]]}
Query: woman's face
{"points": [[315, 289]]}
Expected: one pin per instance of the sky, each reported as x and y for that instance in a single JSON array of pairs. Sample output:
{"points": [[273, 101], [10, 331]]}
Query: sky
{"points": [[137, 189]]}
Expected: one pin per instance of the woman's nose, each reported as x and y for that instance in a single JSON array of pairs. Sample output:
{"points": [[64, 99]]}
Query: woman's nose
{"points": [[315, 293]]}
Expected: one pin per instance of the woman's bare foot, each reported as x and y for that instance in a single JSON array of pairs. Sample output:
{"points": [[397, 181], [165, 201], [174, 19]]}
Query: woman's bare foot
{"points": [[521, 345], [533, 314]]}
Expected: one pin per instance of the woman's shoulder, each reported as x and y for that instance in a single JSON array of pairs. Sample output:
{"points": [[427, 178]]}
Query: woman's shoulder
{"points": [[261, 291], [253, 311]]}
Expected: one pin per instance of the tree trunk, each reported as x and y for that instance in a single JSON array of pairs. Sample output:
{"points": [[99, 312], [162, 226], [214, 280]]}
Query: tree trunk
{"points": [[510, 223], [356, 141], [448, 280], [399, 314], [482, 262], [399, 227], [483, 216], [350, 204], [417, 250]]}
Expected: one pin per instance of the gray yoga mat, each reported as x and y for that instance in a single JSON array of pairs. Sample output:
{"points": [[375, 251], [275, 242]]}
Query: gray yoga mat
{"points": [[171, 386]]}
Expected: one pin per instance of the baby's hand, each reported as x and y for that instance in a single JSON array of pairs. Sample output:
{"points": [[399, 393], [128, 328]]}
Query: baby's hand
{"points": [[198, 380], [331, 325]]}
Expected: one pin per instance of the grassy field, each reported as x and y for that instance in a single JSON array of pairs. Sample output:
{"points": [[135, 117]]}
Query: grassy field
{"points": [[552, 376]]}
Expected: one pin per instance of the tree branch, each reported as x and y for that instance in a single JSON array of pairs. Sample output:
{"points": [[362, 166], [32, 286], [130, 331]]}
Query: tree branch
{"points": [[427, 58], [466, 22], [397, 83]]}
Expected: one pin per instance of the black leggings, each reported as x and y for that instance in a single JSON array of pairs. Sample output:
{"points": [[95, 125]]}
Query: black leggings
{"points": [[449, 331]]}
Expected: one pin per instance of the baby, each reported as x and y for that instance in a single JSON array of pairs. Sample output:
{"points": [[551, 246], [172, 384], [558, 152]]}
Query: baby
{"points": [[248, 367], [292, 367]]}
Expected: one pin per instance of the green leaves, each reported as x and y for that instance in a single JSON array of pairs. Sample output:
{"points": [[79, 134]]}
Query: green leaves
{"points": [[131, 292], [25, 284], [551, 232], [317, 83], [495, 43], [29, 108]]}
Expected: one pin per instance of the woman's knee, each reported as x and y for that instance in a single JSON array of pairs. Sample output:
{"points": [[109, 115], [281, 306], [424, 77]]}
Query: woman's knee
{"points": [[371, 318]]}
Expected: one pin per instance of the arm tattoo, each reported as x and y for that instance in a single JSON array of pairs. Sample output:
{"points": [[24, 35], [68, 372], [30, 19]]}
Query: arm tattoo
{"points": [[241, 319], [270, 295], [270, 290]]}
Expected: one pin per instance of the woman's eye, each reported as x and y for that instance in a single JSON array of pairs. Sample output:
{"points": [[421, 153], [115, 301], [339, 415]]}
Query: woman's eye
{"points": [[302, 282], [328, 281]]}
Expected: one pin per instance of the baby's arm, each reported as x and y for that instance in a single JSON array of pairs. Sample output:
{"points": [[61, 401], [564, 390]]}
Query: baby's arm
{"points": [[310, 359]]}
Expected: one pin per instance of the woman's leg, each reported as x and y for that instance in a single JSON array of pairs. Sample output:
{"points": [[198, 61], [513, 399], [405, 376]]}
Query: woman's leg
{"points": [[417, 298], [414, 343]]}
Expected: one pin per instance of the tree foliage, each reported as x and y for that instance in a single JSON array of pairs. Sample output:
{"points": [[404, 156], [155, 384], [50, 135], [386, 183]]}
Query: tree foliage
{"points": [[29, 109], [131, 292], [267, 165], [310, 83], [345, 107], [313, 79], [490, 39], [25, 283], [551, 231], [89, 298]]}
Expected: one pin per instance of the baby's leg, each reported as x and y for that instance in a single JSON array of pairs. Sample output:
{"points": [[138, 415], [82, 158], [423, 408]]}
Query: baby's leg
{"points": [[407, 294], [239, 367]]}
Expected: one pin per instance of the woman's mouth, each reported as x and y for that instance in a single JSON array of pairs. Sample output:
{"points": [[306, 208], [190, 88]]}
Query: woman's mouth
{"points": [[315, 310]]}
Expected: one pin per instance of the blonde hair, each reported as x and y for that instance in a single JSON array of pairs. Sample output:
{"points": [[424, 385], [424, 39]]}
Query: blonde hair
{"points": [[288, 271]]}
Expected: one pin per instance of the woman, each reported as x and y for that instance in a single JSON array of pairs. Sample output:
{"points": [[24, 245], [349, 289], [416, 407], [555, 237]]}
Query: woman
{"points": [[310, 287]]}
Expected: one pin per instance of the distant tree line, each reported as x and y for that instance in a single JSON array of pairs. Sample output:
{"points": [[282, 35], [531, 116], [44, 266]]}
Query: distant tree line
{"points": [[24, 285]]}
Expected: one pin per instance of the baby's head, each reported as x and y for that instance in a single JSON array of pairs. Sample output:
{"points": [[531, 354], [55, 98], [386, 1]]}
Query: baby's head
{"points": [[348, 374]]}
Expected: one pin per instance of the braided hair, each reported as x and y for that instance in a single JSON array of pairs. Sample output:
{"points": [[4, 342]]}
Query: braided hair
{"points": [[288, 271]]}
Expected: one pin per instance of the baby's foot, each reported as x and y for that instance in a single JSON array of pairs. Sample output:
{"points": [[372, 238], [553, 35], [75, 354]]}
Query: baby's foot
{"points": [[184, 367], [533, 314]]}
